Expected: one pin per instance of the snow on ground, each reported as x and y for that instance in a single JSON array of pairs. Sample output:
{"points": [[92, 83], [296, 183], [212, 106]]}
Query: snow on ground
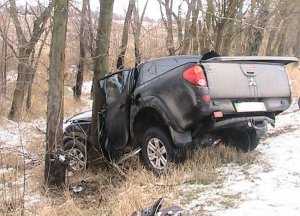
{"points": [[86, 87], [270, 187]]}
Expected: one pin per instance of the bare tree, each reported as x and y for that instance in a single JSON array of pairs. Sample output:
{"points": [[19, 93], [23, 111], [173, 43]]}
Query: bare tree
{"points": [[54, 135], [137, 27], [187, 30], [168, 23], [194, 26], [25, 49], [82, 50], [34, 62], [121, 56], [5, 22], [101, 62]]}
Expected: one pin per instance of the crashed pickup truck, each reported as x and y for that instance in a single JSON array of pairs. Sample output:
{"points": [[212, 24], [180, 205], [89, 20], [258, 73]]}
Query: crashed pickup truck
{"points": [[164, 106]]}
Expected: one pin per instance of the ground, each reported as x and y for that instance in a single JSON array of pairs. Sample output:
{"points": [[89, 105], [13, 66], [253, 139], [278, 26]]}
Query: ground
{"points": [[215, 181], [269, 187]]}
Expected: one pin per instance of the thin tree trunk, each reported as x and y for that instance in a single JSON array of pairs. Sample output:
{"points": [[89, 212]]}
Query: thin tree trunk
{"points": [[21, 86], [121, 56], [137, 27], [55, 111], [178, 19], [101, 63], [187, 31], [263, 48], [194, 28], [170, 39], [25, 49], [34, 66], [82, 52], [3, 70]]}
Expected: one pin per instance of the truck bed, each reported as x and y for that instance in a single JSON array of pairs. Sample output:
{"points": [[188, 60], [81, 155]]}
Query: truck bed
{"points": [[248, 84]]}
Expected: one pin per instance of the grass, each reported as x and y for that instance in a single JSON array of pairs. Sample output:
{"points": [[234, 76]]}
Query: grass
{"points": [[109, 193]]}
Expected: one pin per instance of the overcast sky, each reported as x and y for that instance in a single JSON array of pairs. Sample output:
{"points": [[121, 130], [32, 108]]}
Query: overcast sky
{"points": [[120, 6]]}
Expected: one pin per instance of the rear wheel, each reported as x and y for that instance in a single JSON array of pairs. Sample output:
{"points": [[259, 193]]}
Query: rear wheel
{"points": [[157, 151], [245, 140]]}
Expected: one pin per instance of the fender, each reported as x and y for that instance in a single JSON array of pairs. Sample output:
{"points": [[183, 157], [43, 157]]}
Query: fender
{"points": [[179, 136]]}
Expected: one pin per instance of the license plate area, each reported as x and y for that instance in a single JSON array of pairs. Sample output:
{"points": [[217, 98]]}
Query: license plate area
{"points": [[250, 107]]}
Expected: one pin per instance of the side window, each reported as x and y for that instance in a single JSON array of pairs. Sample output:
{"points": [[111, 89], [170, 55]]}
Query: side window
{"points": [[114, 86], [148, 71], [153, 69]]}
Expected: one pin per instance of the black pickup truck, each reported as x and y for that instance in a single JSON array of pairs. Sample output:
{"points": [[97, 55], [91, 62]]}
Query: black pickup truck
{"points": [[165, 105]]}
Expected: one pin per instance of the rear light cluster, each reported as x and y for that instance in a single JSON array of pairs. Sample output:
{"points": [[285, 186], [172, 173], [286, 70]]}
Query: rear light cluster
{"points": [[195, 75]]}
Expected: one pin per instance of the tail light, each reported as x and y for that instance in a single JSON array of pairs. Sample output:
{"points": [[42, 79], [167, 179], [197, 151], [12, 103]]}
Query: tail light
{"points": [[195, 75]]}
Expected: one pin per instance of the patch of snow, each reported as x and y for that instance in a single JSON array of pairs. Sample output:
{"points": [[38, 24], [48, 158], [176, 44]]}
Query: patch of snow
{"points": [[271, 187], [86, 87]]}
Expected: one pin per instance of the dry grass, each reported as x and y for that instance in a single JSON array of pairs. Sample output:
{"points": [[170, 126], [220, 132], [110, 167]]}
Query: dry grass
{"points": [[11, 193], [109, 193]]}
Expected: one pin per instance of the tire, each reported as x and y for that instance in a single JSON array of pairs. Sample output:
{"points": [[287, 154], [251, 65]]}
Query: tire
{"points": [[157, 151], [77, 153], [245, 140]]}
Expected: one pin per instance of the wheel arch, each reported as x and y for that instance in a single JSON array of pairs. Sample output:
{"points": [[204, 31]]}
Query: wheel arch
{"points": [[148, 117]]}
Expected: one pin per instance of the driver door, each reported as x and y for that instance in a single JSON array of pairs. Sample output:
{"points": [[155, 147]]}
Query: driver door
{"points": [[117, 110]]}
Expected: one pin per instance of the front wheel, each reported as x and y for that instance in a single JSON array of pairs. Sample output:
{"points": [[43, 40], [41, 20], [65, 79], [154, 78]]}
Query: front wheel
{"points": [[76, 151], [157, 151]]}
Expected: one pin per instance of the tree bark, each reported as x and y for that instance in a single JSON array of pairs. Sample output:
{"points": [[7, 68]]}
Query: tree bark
{"points": [[263, 48], [82, 51], [3, 68], [137, 27], [101, 63], [34, 66], [194, 27], [121, 56], [187, 30], [54, 135]]}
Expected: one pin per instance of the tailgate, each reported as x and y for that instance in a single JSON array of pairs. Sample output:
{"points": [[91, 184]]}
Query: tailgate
{"points": [[246, 79]]}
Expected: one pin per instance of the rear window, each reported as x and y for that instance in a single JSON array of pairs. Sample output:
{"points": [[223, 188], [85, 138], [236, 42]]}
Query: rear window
{"points": [[152, 69]]}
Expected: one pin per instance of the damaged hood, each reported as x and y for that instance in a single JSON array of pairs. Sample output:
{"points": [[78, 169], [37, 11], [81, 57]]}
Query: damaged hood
{"points": [[84, 116]]}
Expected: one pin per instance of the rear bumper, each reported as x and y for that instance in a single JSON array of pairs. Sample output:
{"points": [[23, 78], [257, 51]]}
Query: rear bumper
{"points": [[257, 122], [235, 122], [271, 104]]}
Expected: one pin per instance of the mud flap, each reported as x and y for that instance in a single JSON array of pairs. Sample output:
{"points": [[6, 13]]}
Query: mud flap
{"points": [[181, 139]]}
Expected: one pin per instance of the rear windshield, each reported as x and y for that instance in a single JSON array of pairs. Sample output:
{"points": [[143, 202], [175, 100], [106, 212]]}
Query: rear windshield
{"points": [[152, 69]]}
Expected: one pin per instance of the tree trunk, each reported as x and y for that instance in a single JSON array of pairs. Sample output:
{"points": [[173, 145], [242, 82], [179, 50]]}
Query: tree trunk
{"points": [[82, 52], [170, 38], [121, 56], [101, 62], [25, 49], [194, 28], [3, 70], [137, 27], [34, 66], [55, 111], [187, 31], [263, 48], [178, 19], [21, 86]]}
